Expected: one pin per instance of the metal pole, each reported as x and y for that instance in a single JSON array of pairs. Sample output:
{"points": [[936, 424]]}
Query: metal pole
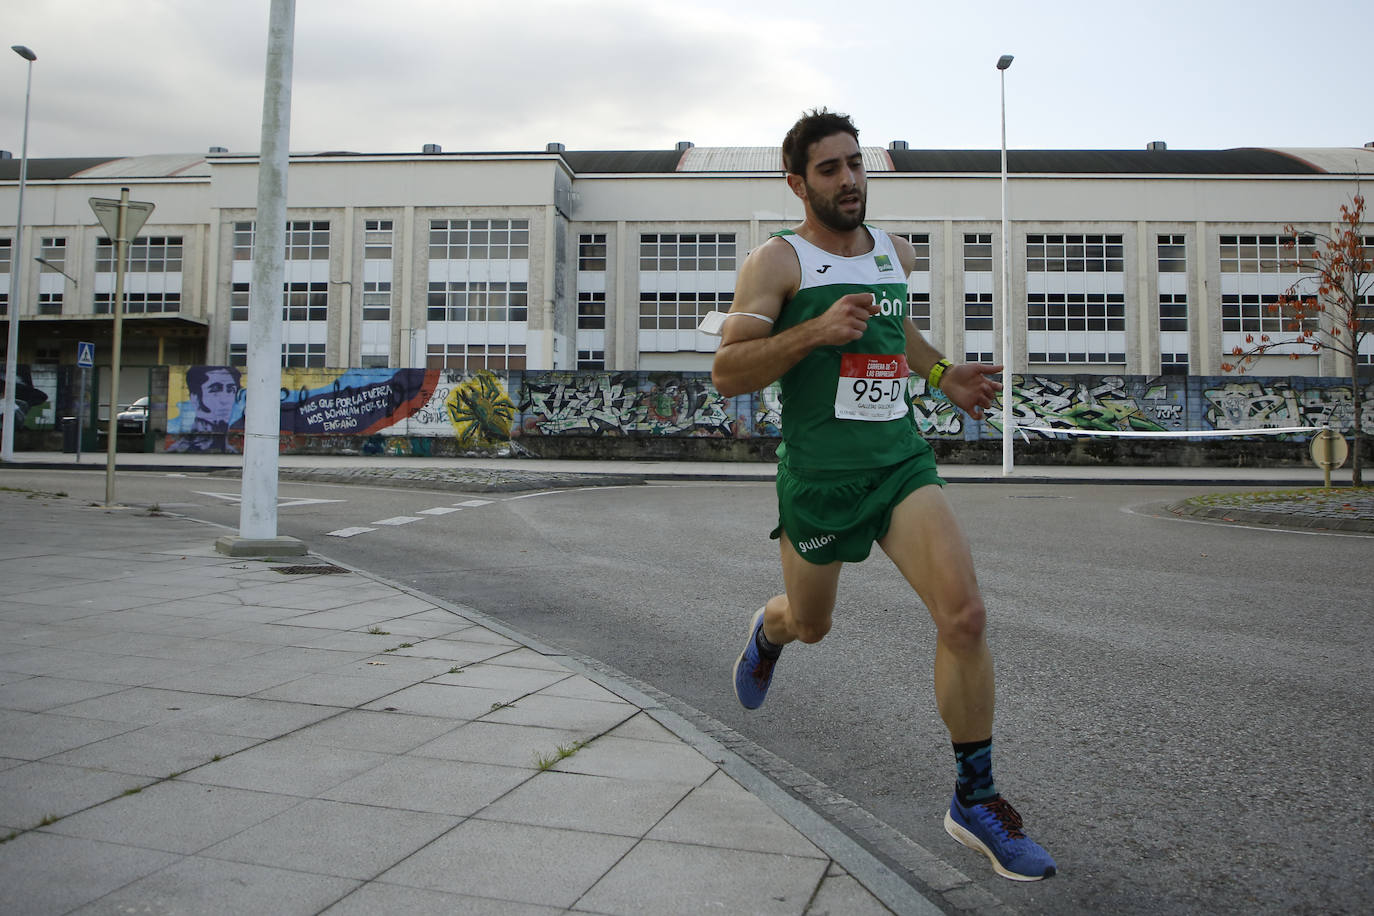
{"points": [[1008, 392], [117, 307], [262, 418], [16, 273]]}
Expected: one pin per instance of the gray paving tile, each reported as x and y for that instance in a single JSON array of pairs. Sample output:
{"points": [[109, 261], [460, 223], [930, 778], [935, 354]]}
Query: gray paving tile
{"points": [[426, 784], [334, 838], [629, 758], [300, 660], [140, 705], [564, 712], [335, 690], [33, 736], [842, 894], [580, 688], [446, 700], [512, 862], [43, 873], [525, 657], [156, 750], [516, 681], [255, 718], [382, 732], [34, 791], [287, 766], [672, 880], [84, 598], [418, 629], [175, 816], [393, 664], [41, 693], [476, 633], [506, 745], [460, 651], [723, 814], [596, 803], [212, 887], [643, 727], [233, 679], [377, 897]]}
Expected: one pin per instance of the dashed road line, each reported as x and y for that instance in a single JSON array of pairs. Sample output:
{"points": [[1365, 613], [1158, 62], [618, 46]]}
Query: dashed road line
{"points": [[440, 510], [348, 532], [397, 520]]}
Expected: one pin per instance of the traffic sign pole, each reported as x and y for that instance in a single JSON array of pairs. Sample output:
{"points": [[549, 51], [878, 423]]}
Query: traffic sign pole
{"points": [[121, 218]]}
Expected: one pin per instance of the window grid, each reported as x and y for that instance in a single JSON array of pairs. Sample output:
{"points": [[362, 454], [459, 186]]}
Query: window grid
{"points": [[977, 252], [152, 254], [591, 311], [471, 357], [302, 355], [50, 303], [977, 311], [1173, 312], [679, 311], [1074, 253], [139, 303], [668, 251], [55, 252], [591, 252], [591, 359], [1264, 254], [478, 300], [303, 301], [1172, 254], [920, 241], [307, 240], [479, 239], [378, 237], [239, 299], [377, 301], [1076, 316], [6, 257]]}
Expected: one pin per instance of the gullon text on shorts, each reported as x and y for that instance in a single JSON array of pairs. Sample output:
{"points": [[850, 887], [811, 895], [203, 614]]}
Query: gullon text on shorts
{"points": [[815, 543]]}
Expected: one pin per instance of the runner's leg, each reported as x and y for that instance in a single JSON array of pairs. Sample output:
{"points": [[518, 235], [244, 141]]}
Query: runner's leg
{"points": [[804, 610], [928, 547]]}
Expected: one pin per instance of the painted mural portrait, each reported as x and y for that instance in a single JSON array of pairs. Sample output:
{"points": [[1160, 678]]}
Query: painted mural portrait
{"points": [[215, 397]]}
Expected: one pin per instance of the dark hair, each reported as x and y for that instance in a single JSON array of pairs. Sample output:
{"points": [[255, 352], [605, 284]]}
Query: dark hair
{"points": [[813, 126], [197, 376]]}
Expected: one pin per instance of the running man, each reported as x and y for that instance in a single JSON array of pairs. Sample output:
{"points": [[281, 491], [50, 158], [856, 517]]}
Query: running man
{"points": [[823, 308]]}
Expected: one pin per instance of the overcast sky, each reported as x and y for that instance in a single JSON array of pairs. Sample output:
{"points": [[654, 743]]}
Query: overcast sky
{"points": [[132, 77]]}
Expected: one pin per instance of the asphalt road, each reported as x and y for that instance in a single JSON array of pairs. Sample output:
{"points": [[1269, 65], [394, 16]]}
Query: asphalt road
{"points": [[1183, 706]]}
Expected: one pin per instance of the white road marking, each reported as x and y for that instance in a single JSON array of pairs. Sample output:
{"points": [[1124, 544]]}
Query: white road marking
{"points": [[397, 520], [281, 503], [440, 510], [348, 532], [474, 503]]}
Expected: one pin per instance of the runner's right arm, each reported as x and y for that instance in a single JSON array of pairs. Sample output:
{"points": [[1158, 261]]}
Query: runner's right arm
{"points": [[750, 356]]}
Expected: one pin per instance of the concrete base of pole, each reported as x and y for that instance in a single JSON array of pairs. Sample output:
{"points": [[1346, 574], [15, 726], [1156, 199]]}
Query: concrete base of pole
{"points": [[280, 546]]}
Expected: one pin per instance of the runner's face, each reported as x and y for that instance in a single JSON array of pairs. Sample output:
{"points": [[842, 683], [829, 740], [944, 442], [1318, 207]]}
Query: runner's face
{"points": [[835, 182]]}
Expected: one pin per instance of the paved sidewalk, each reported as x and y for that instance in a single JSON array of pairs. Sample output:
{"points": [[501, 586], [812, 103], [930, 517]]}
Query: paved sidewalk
{"points": [[182, 732]]}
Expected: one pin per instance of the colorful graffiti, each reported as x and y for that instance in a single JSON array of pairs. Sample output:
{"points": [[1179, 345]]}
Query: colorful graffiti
{"points": [[406, 411]]}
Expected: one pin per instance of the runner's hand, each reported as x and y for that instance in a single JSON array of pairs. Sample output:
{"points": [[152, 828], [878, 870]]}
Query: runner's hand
{"points": [[847, 319], [968, 385]]}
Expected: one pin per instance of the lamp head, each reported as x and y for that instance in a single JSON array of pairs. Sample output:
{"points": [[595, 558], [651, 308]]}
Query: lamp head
{"points": [[1004, 61], [24, 53]]}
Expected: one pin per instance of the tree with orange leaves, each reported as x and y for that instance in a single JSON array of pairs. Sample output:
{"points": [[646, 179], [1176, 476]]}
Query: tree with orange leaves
{"points": [[1329, 307]]}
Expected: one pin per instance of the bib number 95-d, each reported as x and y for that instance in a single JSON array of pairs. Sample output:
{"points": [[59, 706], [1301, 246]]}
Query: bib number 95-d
{"points": [[871, 387]]}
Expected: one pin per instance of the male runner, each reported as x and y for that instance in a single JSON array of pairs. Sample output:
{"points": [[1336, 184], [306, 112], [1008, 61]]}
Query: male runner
{"points": [[823, 308]]}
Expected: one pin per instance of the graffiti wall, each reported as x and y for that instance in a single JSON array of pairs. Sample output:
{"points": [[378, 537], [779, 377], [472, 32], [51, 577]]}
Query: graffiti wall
{"points": [[403, 411]]}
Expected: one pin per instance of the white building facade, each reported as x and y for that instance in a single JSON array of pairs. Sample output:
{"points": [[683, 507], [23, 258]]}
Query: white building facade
{"points": [[1135, 262]]}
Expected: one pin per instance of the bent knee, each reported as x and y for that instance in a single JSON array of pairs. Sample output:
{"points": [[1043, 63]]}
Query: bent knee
{"points": [[964, 628], [811, 631]]}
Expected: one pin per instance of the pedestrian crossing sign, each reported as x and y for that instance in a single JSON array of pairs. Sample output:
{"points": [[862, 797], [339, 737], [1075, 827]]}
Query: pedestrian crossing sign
{"points": [[85, 354]]}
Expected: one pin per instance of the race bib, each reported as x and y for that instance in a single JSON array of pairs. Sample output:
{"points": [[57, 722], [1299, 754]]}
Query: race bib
{"points": [[871, 387]]}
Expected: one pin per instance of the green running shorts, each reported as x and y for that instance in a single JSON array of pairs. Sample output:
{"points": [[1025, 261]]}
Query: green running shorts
{"points": [[838, 515]]}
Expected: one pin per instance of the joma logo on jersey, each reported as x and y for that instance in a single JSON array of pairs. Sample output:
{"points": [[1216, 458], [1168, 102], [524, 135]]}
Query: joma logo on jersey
{"points": [[815, 543]]}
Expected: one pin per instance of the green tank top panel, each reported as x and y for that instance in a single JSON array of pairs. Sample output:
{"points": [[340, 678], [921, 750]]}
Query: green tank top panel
{"points": [[819, 395]]}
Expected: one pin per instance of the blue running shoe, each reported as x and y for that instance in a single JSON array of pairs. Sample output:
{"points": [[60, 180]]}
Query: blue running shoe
{"points": [[994, 829], [753, 672]]}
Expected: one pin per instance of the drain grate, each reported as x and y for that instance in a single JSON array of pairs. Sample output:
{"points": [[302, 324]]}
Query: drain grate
{"points": [[322, 570]]}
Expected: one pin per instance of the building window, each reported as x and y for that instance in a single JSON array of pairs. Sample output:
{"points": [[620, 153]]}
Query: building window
{"points": [[1173, 255], [377, 239], [478, 301], [238, 354], [682, 276], [377, 301], [479, 239], [918, 281], [307, 240], [1264, 254], [1172, 263], [1076, 327], [49, 303], [687, 251], [6, 259], [238, 302], [591, 311], [591, 359], [302, 355], [471, 357], [591, 252], [136, 303], [243, 241], [305, 302], [978, 302], [1074, 254], [978, 252]]}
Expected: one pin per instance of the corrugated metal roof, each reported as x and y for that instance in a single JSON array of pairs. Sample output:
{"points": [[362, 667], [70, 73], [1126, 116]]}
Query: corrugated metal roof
{"points": [[732, 159], [47, 169], [167, 165], [1351, 160], [1080, 162], [622, 161]]}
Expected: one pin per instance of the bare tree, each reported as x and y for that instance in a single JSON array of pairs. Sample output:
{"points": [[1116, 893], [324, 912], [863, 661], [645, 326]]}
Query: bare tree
{"points": [[1329, 307]]}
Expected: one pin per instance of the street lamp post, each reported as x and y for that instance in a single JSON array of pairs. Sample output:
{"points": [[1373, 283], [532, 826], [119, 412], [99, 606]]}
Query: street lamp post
{"points": [[1008, 395], [16, 273]]}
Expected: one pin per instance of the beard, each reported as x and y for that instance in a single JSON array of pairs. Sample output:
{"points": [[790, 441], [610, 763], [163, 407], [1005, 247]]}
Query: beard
{"points": [[828, 211]]}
